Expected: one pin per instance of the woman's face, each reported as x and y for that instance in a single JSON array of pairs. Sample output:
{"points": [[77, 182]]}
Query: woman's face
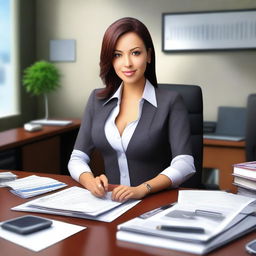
{"points": [[130, 58]]}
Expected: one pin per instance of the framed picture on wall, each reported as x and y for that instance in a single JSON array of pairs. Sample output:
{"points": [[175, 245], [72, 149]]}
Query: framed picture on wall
{"points": [[201, 31]]}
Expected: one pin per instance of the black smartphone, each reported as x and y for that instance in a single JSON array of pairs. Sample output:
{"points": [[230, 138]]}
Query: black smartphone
{"points": [[251, 247], [26, 224]]}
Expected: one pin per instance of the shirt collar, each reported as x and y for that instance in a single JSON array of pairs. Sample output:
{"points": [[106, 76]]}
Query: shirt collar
{"points": [[116, 95], [149, 94]]}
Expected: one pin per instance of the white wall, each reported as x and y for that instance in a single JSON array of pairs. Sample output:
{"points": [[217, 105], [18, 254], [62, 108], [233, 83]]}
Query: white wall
{"points": [[226, 77]]}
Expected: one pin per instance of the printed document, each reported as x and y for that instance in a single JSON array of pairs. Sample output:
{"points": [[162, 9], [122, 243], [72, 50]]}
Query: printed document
{"points": [[78, 202], [211, 211], [33, 185], [245, 226]]}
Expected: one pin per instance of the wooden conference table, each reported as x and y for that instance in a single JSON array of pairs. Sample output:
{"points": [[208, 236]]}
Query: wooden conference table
{"points": [[99, 238]]}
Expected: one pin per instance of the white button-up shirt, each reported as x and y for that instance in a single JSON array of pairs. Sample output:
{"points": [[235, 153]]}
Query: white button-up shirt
{"points": [[181, 167]]}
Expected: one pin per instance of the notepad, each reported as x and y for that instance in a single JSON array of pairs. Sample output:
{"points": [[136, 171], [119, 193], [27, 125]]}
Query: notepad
{"points": [[33, 185]]}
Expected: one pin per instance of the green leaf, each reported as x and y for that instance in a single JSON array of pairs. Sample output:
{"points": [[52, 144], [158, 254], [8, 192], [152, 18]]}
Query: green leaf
{"points": [[42, 77]]}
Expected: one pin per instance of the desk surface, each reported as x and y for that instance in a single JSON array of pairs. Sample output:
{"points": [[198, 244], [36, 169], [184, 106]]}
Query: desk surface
{"points": [[99, 238], [224, 143], [18, 136]]}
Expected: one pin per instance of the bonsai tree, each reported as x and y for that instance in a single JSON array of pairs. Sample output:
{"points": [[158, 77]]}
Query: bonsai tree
{"points": [[41, 78]]}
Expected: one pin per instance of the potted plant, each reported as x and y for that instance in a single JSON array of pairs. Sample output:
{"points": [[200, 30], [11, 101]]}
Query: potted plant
{"points": [[41, 78]]}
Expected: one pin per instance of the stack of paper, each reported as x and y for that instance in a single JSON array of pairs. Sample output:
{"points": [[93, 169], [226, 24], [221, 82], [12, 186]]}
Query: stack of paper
{"points": [[198, 223], [78, 202], [33, 185], [6, 176], [70, 200], [245, 178]]}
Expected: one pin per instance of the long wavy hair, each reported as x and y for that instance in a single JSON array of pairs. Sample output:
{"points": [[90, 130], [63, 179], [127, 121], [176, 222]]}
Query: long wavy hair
{"points": [[112, 34]]}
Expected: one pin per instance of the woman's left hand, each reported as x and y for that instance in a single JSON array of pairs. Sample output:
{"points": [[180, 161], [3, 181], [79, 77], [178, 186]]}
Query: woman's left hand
{"points": [[123, 193]]}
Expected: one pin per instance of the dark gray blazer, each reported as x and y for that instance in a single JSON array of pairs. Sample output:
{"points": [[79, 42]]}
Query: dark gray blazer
{"points": [[161, 134]]}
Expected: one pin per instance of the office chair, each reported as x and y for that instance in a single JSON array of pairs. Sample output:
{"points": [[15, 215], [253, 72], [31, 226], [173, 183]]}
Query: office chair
{"points": [[192, 95], [250, 133]]}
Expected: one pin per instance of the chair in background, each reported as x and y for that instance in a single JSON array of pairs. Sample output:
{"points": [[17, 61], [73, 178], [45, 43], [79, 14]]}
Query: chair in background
{"points": [[250, 133], [192, 95]]}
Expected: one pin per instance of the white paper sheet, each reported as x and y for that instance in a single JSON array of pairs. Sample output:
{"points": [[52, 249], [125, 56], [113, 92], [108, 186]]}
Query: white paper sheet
{"points": [[183, 214], [83, 200], [6, 177], [44, 238], [234, 222], [106, 217], [76, 199], [239, 230], [33, 185]]}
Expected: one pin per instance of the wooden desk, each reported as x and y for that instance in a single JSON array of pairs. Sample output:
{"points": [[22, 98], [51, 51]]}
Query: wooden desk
{"points": [[47, 150], [99, 238], [222, 154]]}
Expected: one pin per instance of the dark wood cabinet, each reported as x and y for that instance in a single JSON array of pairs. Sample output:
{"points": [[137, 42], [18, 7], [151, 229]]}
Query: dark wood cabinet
{"points": [[47, 150]]}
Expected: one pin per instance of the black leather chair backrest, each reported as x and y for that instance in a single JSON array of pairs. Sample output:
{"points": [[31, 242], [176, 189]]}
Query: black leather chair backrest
{"points": [[192, 95], [250, 132]]}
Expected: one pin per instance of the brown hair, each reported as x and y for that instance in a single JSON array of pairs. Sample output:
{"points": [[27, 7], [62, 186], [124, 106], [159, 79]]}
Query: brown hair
{"points": [[112, 34]]}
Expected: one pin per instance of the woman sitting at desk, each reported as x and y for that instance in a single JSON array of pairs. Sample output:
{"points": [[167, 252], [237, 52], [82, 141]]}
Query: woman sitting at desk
{"points": [[142, 131]]}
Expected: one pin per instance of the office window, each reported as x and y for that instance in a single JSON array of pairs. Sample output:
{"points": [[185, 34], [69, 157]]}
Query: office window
{"points": [[8, 58]]}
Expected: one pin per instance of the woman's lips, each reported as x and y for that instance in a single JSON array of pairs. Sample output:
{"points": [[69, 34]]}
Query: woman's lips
{"points": [[129, 73]]}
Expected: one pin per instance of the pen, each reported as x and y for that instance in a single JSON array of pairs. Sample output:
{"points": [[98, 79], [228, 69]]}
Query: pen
{"points": [[209, 213], [181, 229], [155, 211]]}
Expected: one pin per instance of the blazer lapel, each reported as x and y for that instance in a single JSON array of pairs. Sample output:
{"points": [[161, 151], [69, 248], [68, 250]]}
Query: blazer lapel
{"points": [[100, 120], [141, 131]]}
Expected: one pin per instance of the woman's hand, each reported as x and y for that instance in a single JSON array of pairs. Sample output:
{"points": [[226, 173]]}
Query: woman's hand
{"points": [[123, 193], [98, 186]]}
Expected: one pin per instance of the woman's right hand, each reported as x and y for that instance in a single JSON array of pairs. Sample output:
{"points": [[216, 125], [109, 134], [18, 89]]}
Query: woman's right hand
{"points": [[98, 186]]}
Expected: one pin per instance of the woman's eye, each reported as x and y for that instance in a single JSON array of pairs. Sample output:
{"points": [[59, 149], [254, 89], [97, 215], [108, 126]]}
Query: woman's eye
{"points": [[136, 53], [116, 55]]}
